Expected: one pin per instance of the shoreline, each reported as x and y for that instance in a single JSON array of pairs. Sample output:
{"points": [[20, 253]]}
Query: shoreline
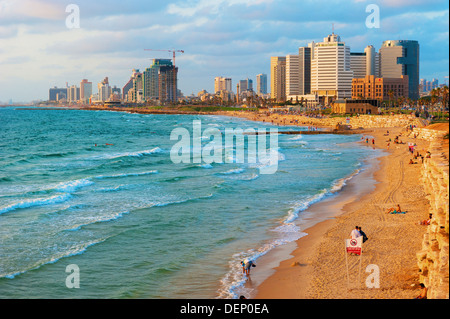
{"points": [[313, 222], [316, 268], [312, 266]]}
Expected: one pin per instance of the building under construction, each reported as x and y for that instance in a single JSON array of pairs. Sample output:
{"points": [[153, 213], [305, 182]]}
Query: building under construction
{"points": [[160, 81]]}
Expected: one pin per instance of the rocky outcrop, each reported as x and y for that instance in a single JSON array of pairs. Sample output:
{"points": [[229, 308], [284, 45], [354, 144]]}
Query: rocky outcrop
{"points": [[433, 259]]}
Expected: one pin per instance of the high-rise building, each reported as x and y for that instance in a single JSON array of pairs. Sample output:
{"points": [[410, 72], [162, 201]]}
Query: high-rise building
{"points": [[292, 74], [151, 77], [278, 78], [167, 83], [222, 84], [331, 76], [73, 94], [401, 57], [358, 64], [85, 91], [245, 85], [56, 94], [304, 63], [104, 90], [261, 84]]}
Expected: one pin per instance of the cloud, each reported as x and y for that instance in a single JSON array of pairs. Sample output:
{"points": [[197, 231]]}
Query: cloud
{"points": [[11, 10]]}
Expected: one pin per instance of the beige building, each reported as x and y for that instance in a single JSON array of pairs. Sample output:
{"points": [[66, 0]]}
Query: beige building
{"points": [[347, 106], [278, 78], [222, 84]]}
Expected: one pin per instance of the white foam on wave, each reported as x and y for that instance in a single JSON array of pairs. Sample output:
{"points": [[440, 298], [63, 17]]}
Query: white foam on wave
{"points": [[72, 251], [72, 186], [96, 219], [56, 199], [131, 154], [234, 171], [127, 174]]}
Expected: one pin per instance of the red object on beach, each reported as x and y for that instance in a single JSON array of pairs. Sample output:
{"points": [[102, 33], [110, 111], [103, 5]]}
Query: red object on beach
{"points": [[354, 245]]}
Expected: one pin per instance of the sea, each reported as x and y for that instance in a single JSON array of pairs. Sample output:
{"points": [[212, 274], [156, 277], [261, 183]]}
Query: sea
{"points": [[92, 204]]}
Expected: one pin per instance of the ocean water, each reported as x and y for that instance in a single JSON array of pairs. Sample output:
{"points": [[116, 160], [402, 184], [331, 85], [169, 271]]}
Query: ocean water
{"points": [[99, 190]]}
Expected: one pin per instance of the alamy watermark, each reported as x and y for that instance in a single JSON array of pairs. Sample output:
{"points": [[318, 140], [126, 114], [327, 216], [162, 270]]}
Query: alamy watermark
{"points": [[73, 279], [189, 149], [73, 19], [373, 19]]}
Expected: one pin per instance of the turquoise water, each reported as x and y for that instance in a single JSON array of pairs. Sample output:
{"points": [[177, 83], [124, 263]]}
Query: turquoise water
{"points": [[99, 190]]}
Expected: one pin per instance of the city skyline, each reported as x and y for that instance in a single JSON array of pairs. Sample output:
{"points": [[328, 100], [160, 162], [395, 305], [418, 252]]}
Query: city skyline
{"points": [[220, 38]]}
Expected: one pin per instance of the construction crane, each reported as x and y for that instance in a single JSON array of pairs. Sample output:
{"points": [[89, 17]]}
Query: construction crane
{"points": [[173, 51]]}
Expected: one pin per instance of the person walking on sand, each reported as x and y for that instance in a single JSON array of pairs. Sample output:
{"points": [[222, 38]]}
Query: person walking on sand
{"points": [[355, 233], [363, 234]]}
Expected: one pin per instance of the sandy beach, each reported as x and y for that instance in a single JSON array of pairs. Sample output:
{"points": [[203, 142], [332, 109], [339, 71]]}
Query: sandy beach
{"points": [[316, 268]]}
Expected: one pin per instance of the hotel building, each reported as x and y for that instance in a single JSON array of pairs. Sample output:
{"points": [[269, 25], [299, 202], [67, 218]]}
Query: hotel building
{"points": [[331, 75]]}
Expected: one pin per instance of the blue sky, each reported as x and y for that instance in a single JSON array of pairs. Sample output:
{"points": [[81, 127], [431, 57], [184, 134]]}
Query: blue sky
{"points": [[233, 38]]}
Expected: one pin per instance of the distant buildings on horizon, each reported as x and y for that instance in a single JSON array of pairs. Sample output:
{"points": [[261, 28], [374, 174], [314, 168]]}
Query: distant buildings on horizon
{"points": [[317, 74], [326, 71]]}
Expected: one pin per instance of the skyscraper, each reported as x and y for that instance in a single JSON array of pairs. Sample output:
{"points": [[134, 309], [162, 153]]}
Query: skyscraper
{"points": [[73, 94], [358, 64], [85, 90], [401, 57], [104, 90], [151, 76], [222, 84], [261, 84], [304, 64], [292, 74], [167, 83], [331, 75], [278, 78]]}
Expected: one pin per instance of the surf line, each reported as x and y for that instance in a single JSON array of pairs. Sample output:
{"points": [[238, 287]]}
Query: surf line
{"points": [[213, 152]]}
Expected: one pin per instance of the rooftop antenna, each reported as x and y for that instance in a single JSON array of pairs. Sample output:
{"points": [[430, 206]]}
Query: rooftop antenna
{"points": [[332, 28]]}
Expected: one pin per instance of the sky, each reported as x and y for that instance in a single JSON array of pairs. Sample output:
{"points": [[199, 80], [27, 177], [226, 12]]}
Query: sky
{"points": [[42, 46]]}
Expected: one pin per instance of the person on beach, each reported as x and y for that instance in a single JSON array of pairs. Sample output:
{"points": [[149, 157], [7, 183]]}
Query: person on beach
{"points": [[363, 234], [423, 293], [355, 233], [248, 265], [426, 222], [394, 211]]}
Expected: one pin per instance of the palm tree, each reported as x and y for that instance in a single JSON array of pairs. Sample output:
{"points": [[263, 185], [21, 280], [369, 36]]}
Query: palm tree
{"points": [[391, 97], [401, 101]]}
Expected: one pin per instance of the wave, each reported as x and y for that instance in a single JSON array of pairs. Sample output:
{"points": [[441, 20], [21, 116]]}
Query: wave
{"points": [[131, 154], [73, 186], [36, 202], [127, 174], [305, 204], [76, 250], [98, 220], [234, 171]]}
